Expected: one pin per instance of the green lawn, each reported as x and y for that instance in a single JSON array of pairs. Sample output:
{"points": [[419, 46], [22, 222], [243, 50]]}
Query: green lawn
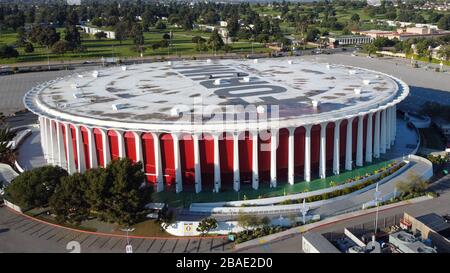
{"points": [[185, 198], [181, 45]]}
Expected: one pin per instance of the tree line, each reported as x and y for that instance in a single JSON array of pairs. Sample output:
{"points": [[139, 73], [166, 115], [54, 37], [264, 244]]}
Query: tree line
{"points": [[116, 193]]}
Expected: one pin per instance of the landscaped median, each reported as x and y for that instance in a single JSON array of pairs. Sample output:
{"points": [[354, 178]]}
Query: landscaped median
{"points": [[292, 203]]}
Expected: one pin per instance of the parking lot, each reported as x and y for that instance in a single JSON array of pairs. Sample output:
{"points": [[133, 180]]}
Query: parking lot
{"points": [[22, 234]]}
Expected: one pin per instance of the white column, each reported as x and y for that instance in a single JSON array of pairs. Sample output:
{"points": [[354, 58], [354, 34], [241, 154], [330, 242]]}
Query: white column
{"points": [[359, 143], [52, 147], [158, 164], [273, 158], [60, 144], [291, 156], [177, 163], [80, 149], [369, 138], [92, 151], [392, 116], [236, 176], [376, 140], [47, 139], [336, 146], [394, 125], [138, 144], [348, 145], [323, 150], [388, 128], [307, 171], [383, 132], [198, 173], [121, 143], [69, 147], [217, 180], [255, 170], [105, 143], [42, 134]]}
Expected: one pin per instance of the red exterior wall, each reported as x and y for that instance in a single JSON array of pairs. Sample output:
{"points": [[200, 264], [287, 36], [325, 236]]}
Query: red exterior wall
{"points": [[187, 159], [74, 145], [315, 149], [85, 139], [113, 145], [264, 157], [148, 154], [283, 154], [226, 159], [99, 146], [167, 158], [329, 145], [130, 146], [63, 131], [299, 150], [245, 157], [206, 147]]}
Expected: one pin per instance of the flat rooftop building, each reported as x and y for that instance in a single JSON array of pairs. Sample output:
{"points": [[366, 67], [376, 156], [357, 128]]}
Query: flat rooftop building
{"points": [[216, 124]]}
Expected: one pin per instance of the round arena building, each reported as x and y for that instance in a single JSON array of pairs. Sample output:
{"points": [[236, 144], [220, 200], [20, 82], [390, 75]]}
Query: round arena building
{"points": [[216, 125]]}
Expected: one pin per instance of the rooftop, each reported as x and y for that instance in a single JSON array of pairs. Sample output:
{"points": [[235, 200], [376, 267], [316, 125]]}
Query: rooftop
{"points": [[164, 93]]}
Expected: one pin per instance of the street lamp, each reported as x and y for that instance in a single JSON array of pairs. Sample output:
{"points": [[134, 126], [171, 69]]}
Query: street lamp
{"points": [[377, 198], [304, 209], [128, 247]]}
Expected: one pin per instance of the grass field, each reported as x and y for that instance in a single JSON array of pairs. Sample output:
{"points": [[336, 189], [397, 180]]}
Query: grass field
{"points": [[181, 45]]}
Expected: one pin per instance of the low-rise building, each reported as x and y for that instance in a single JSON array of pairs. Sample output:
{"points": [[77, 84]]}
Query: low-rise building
{"points": [[350, 40], [93, 30], [406, 33]]}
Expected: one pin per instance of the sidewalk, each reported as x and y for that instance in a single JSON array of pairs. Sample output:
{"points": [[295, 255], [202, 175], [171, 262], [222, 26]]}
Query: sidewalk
{"points": [[328, 221]]}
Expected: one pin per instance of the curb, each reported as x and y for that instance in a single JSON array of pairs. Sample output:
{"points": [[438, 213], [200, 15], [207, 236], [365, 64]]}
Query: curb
{"points": [[104, 234]]}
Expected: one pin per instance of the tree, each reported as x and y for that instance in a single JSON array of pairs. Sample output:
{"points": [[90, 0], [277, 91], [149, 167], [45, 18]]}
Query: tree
{"points": [[61, 47], [35, 187], [233, 26], [44, 35], [215, 42], [370, 48], [355, 17], [6, 135], [29, 48], [121, 30], [312, 35], [444, 22], [73, 37], [118, 192], [444, 52], [21, 37], [99, 35], [128, 193], [247, 221], [187, 23], [68, 202], [138, 35], [414, 184], [206, 225], [160, 25], [7, 51]]}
